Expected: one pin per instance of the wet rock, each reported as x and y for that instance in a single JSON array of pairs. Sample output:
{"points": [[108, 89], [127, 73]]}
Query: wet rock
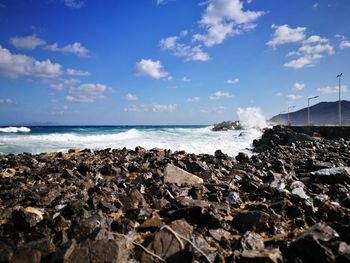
{"points": [[173, 174], [242, 157], [227, 125], [27, 218], [344, 252], [24, 254]]}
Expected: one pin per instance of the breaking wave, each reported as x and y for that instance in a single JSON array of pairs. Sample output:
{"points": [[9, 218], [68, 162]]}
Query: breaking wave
{"points": [[15, 129]]}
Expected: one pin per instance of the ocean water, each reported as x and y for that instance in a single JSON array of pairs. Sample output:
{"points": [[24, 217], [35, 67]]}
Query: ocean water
{"points": [[192, 139]]}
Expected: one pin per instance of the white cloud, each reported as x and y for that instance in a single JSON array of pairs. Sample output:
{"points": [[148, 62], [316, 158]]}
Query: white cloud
{"points": [[74, 4], [75, 48], [152, 108], [60, 84], [344, 44], [14, 65], [88, 92], [181, 50], [184, 33], [75, 72], [161, 2], [218, 110], [232, 81], [218, 95], [131, 97], [185, 79], [27, 42], [150, 68], [224, 18], [285, 34], [59, 110], [194, 99], [293, 97], [315, 5], [310, 52], [279, 94], [6, 101], [298, 86], [330, 89]]}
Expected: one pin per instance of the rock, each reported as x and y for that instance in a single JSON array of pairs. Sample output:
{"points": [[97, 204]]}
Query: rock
{"points": [[251, 221], [227, 125], [344, 252], [27, 255], [8, 172], [98, 251], [242, 157], [165, 244], [252, 241], [333, 175], [68, 173], [315, 240], [233, 198], [175, 175], [300, 193], [74, 151], [272, 255]]}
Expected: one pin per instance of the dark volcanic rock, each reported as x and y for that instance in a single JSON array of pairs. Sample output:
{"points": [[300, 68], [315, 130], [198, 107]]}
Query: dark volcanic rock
{"points": [[227, 125]]}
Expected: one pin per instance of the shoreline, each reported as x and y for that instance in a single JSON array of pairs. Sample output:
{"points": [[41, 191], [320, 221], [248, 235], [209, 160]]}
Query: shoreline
{"points": [[278, 205]]}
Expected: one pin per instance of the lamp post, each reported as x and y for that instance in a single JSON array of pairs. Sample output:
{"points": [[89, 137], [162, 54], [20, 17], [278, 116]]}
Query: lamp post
{"points": [[339, 77], [290, 107], [308, 108]]}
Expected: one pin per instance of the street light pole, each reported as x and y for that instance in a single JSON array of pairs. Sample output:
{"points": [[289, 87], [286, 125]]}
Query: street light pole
{"points": [[308, 108], [339, 77], [290, 107]]}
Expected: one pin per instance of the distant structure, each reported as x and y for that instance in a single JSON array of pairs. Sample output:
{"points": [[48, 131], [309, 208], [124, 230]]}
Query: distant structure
{"points": [[339, 77]]}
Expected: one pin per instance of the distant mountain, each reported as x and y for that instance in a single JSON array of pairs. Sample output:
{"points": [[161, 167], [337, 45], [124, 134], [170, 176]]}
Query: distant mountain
{"points": [[323, 113]]}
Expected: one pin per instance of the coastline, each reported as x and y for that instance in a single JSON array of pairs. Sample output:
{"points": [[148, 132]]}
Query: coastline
{"points": [[118, 205]]}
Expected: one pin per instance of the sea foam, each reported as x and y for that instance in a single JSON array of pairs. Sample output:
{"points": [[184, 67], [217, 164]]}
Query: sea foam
{"points": [[15, 129]]}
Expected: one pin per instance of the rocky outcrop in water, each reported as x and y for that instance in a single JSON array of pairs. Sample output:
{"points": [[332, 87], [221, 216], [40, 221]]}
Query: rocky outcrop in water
{"points": [[288, 203], [227, 125]]}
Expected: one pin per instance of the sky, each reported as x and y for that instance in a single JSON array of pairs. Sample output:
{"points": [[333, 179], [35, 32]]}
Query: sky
{"points": [[163, 62]]}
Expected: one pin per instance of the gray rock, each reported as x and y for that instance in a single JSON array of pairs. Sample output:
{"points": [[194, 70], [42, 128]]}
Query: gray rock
{"points": [[272, 255], [333, 175], [175, 175], [300, 193]]}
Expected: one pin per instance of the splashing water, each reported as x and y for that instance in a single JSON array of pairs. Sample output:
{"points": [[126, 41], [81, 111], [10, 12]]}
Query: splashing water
{"points": [[251, 118]]}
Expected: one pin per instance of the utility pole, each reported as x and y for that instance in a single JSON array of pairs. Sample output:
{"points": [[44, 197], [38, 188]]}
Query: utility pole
{"points": [[308, 108], [339, 77], [290, 107]]}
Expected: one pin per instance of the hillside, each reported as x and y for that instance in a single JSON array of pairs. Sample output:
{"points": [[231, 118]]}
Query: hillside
{"points": [[323, 113]]}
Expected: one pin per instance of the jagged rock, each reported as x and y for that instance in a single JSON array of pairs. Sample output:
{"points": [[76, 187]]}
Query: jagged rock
{"points": [[251, 221], [227, 125], [168, 246], [8, 172], [315, 240], [233, 198], [333, 175], [175, 175], [252, 241], [300, 193]]}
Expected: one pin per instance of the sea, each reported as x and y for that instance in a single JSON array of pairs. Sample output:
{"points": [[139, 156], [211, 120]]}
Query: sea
{"points": [[192, 139]]}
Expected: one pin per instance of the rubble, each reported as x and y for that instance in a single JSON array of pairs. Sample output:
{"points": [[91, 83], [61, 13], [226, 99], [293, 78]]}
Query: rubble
{"points": [[288, 202]]}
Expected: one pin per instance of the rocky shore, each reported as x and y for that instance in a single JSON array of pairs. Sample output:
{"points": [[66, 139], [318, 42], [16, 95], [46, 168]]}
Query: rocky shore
{"points": [[290, 202]]}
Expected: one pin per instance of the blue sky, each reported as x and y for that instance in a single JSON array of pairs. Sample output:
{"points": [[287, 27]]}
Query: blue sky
{"points": [[167, 62]]}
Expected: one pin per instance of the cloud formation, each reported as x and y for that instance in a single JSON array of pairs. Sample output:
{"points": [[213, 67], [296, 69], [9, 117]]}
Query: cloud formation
{"points": [[218, 95], [27, 42], [88, 92], [293, 97], [194, 99], [74, 4], [284, 34], [75, 48], [224, 18], [298, 86], [15, 65], [76, 72], [150, 68], [181, 50], [232, 81], [6, 101], [152, 108], [131, 97]]}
